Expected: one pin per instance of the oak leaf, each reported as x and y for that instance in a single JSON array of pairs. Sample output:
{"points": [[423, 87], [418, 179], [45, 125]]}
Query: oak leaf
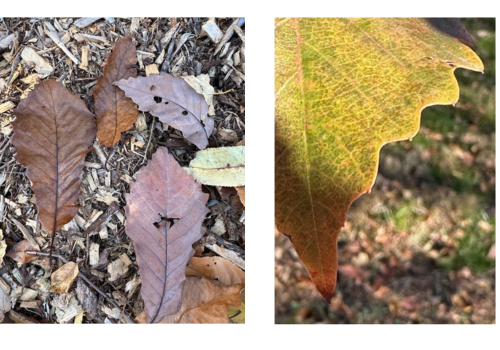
{"points": [[174, 102], [344, 87], [53, 131], [114, 111], [205, 302], [18, 252], [164, 194]]}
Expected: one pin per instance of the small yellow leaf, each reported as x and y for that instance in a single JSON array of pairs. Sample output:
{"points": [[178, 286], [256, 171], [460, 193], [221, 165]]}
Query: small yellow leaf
{"points": [[223, 166], [62, 279]]}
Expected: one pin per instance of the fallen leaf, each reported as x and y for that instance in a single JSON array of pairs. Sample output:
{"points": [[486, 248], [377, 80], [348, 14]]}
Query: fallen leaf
{"points": [[237, 314], [164, 194], [201, 84], [114, 111], [173, 101], [205, 302], [52, 134], [18, 252], [216, 269], [241, 193], [344, 87], [62, 279], [221, 166]]}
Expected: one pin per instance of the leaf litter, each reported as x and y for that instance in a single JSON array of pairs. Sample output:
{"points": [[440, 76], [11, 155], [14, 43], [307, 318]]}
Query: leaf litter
{"points": [[108, 172]]}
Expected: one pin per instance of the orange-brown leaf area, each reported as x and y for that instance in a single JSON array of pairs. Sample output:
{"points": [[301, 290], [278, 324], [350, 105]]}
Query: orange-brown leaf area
{"points": [[96, 237], [114, 111]]}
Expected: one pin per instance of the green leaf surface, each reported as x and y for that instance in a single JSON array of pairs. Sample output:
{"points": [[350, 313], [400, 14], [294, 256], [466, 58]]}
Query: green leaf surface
{"points": [[222, 166], [344, 88]]}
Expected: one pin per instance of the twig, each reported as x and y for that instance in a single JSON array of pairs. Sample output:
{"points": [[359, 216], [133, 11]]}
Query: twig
{"points": [[149, 141], [83, 277]]}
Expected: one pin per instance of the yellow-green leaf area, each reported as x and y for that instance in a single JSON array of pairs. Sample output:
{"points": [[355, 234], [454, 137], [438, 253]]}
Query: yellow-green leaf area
{"points": [[222, 166], [343, 88]]}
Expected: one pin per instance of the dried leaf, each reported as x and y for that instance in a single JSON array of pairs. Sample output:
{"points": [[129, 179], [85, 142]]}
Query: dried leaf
{"points": [[222, 166], [205, 302], [164, 192], [18, 252], [173, 101], [114, 111], [241, 193], [53, 132], [216, 269], [62, 279], [202, 86]]}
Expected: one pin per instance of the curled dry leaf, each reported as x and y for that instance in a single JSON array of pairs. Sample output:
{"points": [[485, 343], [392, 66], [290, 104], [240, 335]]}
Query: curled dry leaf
{"points": [[62, 279], [18, 252], [205, 302], [173, 101], [52, 134], [218, 270], [222, 166], [114, 111], [164, 194]]}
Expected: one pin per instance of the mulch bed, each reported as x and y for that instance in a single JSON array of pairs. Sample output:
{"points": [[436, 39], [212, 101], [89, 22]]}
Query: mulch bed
{"points": [[165, 45]]}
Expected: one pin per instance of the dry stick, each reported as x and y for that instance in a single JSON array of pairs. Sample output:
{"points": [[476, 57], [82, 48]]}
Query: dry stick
{"points": [[149, 141], [83, 277]]}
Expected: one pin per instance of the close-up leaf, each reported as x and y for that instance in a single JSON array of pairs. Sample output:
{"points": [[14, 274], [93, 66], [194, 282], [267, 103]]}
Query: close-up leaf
{"points": [[52, 134], [205, 302], [114, 111], [344, 88], [222, 166], [165, 211], [174, 102]]}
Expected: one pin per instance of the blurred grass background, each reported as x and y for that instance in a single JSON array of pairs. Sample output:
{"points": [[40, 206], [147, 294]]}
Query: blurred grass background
{"points": [[421, 247]]}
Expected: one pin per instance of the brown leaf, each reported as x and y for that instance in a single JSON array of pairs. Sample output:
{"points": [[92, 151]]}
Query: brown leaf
{"points": [[162, 193], [173, 101], [18, 252], [115, 112], [53, 132], [241, 192], [205, 302], [218, 270], [62, 279]]}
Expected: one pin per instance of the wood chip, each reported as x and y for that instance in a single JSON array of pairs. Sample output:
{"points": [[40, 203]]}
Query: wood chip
{"points": [[211, 29], [91, 38], [41, 65], [227, 254], [85, 21], [85, 58], [119, 267], [55, 38], [7, 106], [152, 69], [5, 42], [94, 254]]}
